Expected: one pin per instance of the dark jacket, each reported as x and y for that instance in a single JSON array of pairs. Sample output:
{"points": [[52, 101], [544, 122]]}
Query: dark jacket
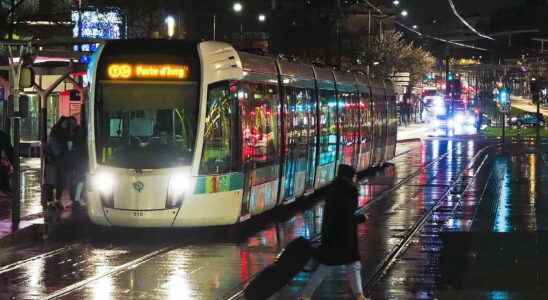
{"points": [[339, 225]]}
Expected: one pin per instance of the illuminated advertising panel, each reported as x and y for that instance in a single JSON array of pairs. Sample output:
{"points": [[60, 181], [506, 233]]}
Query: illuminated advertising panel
{"points": [[98, 24]]}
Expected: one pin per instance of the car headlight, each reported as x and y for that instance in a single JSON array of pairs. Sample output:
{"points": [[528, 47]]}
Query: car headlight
{"points": [[438, 101], [103, 182], [513, 119], [178, 185], [470, 120], [439, 110], [459, 119]]}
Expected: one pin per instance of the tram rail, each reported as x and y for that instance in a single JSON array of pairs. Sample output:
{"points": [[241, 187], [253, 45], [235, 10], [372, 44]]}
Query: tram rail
{"points": [[404, 243], [239, 294], [136, 262]]}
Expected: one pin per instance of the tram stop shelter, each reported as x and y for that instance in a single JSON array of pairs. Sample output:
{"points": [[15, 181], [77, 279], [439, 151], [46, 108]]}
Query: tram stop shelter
{"points": [[58, 89]]}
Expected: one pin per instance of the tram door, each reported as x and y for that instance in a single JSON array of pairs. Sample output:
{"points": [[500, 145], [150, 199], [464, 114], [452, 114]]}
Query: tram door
{"points": [[348, 126], [379, 126], [365, 142], [259, 112], [392, 125], [299, 166], [328, 134]]}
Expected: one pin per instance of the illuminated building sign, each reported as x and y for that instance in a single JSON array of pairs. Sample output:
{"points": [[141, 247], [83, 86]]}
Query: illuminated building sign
{"points": [[145, 71]]}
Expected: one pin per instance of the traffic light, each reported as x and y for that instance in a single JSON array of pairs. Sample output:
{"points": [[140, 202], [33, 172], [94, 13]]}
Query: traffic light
{"points": [[504, 97], [450, 77]]}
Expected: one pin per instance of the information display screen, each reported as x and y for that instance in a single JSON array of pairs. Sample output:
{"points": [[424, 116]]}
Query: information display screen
{"points": [[125, 71]]}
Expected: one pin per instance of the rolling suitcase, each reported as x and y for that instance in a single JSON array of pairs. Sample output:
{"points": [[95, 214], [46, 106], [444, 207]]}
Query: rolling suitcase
{"points": [[288, 263]]}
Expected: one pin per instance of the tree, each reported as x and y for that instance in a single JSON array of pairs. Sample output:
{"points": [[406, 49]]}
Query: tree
{"points": [[392, 54]]}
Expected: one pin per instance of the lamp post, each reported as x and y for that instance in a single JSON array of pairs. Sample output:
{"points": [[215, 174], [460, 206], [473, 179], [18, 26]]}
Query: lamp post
{"points": [[238, 7], [214, 25]]}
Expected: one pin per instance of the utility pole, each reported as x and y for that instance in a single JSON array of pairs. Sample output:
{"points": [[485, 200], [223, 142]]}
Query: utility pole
{"points": [[15, 115], [12, 20], [537, 125], [447, 89], [339, 34]]}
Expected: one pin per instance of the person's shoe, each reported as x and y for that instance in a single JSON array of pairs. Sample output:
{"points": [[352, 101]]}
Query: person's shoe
{"points": [[361, 297], [304, 298]]}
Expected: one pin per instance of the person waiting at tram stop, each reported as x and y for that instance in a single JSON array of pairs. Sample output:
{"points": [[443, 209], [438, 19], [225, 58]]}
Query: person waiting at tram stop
{"points": [[62, 161], [339, 243]]}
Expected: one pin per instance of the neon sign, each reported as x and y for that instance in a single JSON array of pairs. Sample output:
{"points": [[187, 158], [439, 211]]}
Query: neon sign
{"points": [[143, 71]]}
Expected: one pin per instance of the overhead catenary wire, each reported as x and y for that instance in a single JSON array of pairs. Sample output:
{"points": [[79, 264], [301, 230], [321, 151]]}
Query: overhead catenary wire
{"points": [[423, 34], [456, 13]]}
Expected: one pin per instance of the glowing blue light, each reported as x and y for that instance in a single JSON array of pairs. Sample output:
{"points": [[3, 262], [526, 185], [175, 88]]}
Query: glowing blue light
{"points": [[502, 223]]}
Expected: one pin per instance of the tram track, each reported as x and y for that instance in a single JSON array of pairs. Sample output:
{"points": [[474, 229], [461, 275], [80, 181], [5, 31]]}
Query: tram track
{"points": [[136, 262], [239, 294], [23, 262], [382, 268], [132, 264]]}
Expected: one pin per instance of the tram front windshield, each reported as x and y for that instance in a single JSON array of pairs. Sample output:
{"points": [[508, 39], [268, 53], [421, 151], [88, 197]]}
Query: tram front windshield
{"points": [[146, 125]]}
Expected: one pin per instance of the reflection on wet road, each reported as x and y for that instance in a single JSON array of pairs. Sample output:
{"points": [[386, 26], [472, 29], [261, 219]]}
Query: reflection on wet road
{"points": [[492, 246], [212, 264]]}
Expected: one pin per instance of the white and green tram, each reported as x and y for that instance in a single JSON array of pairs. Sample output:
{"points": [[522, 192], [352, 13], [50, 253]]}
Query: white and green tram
{"points": [[187, 134]]}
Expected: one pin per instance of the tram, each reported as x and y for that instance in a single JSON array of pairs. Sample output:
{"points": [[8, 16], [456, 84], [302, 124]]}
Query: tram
{"points": [[187, 134]]}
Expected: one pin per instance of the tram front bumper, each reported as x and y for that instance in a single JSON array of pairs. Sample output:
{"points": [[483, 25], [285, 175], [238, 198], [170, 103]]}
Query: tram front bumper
{"points": [[106, 216], [140, 218]]}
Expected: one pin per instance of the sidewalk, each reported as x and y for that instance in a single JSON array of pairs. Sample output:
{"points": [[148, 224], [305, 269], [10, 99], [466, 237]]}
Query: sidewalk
{"points": [[527, 105], [31, 209], [412, 131]]}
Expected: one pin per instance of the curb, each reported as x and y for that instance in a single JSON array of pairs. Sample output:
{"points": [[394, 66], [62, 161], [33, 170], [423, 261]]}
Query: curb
{"points": [[409, 140], [28, 234]]}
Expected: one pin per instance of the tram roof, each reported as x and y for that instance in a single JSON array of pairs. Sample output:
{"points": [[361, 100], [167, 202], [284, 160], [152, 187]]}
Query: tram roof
{"points": [[258, 64]]}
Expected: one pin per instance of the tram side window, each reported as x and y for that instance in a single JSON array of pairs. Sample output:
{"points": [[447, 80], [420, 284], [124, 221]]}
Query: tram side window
{"points": [[299, 120], [328, 126], [259, 115], [218, 155]]}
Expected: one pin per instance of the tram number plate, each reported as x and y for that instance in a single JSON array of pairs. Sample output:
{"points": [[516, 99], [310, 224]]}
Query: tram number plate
{"points": [[138, 214]]}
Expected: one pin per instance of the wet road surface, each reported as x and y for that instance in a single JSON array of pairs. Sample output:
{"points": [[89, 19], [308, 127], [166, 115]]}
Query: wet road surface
{"points": [[436, 177], [490, 245]]}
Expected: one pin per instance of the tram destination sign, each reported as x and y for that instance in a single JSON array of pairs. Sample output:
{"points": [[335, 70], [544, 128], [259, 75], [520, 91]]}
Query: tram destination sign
{"points": [[124, 71]]}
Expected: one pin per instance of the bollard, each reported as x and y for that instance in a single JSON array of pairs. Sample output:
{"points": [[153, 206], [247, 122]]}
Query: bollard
{"points": [[16, 199]]}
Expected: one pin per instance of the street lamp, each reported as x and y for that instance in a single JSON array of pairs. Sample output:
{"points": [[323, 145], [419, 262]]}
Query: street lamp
{"points": [[404, 13], [415, 27], [262, 18], [170, 22], [396, 2], [237, 7]]}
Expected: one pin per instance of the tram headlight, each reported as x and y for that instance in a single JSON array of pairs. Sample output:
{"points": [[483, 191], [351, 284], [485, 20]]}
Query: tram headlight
{"points": [[178, 185], [103, 182]]}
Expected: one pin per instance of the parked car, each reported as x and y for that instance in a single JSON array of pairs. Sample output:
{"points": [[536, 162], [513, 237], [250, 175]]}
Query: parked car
{"points": [[527, 119]]}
